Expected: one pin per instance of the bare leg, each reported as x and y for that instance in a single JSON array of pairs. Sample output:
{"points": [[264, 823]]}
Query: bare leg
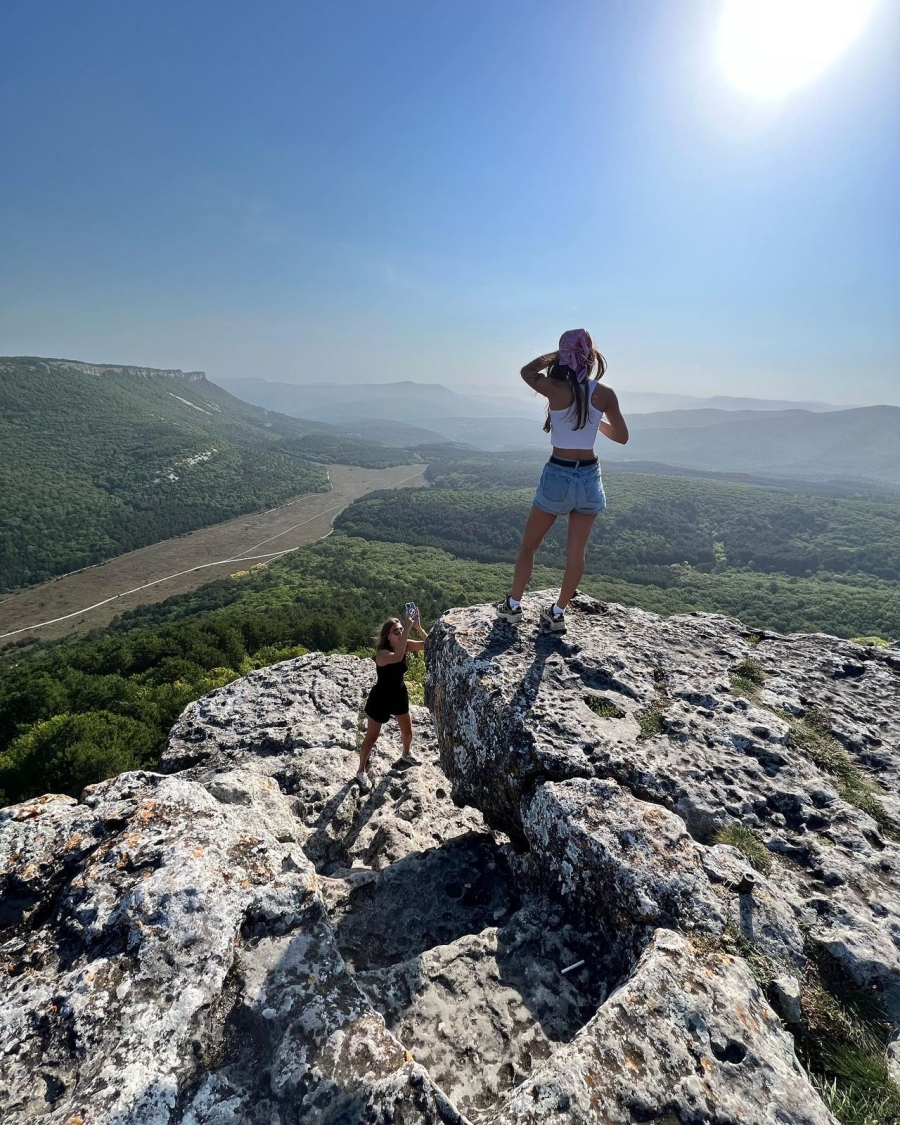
{"points": [[536, 527], [404, 722], [372, 732], [576, 543]]}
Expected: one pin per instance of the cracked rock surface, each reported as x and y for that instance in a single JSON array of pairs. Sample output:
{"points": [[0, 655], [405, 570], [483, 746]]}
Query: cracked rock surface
{"points": [[246, 937], [620, 807]]}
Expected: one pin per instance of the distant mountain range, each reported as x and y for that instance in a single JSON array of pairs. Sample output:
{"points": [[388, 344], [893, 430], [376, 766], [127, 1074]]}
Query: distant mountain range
{"points": [[337, 403], [862, 444], [645, 402], [808, 441]]}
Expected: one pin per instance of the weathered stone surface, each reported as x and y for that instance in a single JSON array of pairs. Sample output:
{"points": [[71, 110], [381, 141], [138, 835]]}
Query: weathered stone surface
{"points": [[255, 940], [687, 1038], [626, 862], [271, 716], [104, 998], [297, 722], [512, 714], [787, 999], [482, 1011], [43, 841], [169, 948]]}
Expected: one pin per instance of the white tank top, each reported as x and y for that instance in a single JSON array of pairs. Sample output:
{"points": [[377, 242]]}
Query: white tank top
{"points": [[563, 422]]}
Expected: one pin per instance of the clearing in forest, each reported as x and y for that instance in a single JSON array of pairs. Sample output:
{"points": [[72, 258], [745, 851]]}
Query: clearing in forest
{"points": [[298, 521]]}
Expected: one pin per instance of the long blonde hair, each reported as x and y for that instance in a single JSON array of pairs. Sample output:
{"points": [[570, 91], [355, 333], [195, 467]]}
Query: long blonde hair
{"points": [[381, 637]]}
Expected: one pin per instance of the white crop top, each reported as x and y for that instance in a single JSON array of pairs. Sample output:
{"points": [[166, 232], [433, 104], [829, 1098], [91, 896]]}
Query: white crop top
{"points": [[562, 426]]}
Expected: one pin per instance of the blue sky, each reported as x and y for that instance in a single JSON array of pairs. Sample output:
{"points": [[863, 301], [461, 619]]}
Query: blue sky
{"points": [[433, 191]]}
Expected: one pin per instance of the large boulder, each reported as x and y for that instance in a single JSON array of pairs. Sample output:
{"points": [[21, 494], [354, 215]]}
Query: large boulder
{"points": [[176, 959], [300, 722], [528, 927], [687, 1038], [616, 753]]}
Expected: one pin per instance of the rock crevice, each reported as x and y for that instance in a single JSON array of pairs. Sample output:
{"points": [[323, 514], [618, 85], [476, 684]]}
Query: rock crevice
{"points": [[530, 927]]}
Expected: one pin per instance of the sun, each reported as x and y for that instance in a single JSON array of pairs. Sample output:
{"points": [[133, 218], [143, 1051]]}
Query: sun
{"points": [[769, 47]]}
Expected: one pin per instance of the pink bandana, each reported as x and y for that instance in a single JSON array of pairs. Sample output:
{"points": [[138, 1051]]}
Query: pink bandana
{"points": [[576, 350]]}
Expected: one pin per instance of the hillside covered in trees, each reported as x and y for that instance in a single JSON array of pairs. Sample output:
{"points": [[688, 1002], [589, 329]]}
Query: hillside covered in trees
{"points": [[74, 711], [652, 525], [95, 461]]}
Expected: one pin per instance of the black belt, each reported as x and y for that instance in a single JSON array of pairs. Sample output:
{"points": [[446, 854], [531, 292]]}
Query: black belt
{"points": [[567, 464]]}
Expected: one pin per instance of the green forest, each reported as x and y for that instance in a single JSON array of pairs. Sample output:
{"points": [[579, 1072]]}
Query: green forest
{"points": [[775, 559], [74, 711], [94, 465]]}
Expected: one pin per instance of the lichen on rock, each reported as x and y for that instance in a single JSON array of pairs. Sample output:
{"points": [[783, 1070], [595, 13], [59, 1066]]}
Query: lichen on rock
{"points": [[532, 926]]}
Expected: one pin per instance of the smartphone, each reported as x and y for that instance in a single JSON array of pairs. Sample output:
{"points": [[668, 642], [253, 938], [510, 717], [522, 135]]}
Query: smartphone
{"points": [[410, 609]]}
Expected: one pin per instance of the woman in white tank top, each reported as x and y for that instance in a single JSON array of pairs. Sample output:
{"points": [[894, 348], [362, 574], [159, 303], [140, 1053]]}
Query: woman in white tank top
{"points": [[578, 408]]}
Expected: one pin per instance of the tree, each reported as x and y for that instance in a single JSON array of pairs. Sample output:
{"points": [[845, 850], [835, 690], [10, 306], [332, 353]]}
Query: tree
{"points": [[68, 752]]}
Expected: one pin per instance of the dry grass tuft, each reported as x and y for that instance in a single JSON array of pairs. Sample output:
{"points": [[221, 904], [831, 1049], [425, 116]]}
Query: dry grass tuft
{"points": [[813, 734], [747, 678], [748, 843]]}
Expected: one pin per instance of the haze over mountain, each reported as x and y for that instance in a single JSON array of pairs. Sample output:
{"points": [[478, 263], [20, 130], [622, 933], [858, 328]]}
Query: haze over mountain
{"points": [[811, 441], [309, 396], [861, 444], [401, 401]]}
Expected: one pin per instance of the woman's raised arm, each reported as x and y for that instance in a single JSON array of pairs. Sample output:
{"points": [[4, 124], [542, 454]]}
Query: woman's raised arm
{"points": [[533, 375]]}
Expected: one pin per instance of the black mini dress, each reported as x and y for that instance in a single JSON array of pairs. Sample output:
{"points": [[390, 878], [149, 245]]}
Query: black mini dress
{"points": [[389, 695]]}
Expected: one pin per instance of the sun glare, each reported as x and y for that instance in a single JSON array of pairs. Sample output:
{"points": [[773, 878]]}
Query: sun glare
{"points": [[769, 47]]}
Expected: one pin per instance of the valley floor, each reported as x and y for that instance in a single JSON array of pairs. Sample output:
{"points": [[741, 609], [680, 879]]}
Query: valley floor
{"points": [[178, 565]]}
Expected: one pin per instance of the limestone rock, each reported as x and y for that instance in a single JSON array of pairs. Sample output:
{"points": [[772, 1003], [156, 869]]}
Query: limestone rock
{"points": [[655, 705], [787, 999], [299, 722], [626, 863], [688, 1038], [483, 1011], [248, 939], [184, 968]]}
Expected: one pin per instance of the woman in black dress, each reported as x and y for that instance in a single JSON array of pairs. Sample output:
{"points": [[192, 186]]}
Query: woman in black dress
{"points": [[389, 695]]}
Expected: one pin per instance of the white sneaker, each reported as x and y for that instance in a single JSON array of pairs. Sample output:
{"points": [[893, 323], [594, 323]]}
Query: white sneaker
{"points": [[555, 622], [506, 612], [407, 760], [364, 782]]}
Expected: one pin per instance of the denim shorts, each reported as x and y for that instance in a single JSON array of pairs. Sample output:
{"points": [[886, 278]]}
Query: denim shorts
{"points": [[563, 490]]}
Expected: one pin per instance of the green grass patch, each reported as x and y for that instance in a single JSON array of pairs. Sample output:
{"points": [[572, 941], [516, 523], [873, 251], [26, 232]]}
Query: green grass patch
{"points": [[862, 794], [871, 1105], [878, 642], [747, 678], [651, 721], [843, 1044], [764, 970], [843, 1038], [604, 707], [813, 734], [748, 843]]}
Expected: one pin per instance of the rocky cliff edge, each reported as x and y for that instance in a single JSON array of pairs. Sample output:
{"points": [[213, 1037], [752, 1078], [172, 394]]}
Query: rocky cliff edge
{"points": [[615, 891]]}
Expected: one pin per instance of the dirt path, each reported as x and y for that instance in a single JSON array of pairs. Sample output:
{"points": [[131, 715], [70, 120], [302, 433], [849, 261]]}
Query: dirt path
{"points": [[89, 599]]}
